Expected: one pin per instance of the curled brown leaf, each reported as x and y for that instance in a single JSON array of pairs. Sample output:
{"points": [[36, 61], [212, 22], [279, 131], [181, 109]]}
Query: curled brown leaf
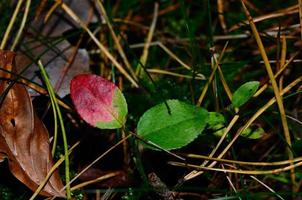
{"points": [[23, 137]]}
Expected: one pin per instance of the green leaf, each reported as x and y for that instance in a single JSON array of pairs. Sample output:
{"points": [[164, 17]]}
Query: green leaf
{"points": [[253, 134], [175, 130], [216, 122], [244, 93]]}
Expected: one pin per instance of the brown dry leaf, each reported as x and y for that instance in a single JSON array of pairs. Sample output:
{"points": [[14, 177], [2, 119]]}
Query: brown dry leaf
{"points": [[58, 62], [23, 137], [59, 21], [55, 61]]}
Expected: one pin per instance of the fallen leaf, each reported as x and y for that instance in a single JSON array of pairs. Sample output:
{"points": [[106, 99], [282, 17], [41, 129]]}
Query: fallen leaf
{"points": [[42, 37], [57, 62], [98, 101], [23, 137], [55, 26]]}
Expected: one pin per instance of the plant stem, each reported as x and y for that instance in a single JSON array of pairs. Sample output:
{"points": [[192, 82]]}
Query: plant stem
{"points": [[51, 93]]}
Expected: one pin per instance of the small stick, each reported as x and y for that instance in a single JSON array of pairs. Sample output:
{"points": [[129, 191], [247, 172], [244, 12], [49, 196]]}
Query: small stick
{"points": [[10, 25]]}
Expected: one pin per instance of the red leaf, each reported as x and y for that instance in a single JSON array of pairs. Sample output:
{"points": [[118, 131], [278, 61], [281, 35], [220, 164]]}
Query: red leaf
{"points": [[23, 137], [98, 101]]}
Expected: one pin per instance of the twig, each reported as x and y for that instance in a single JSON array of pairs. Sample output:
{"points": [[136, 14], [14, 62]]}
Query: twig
{"points": [[287, 11], [247, 124], [109, 175], [263, 164], [238, 171], [196, 173], [116, 40], [205, 89], [300, 15], [97, 42], [220, 9], [96, 160], [267, 187], [275, 88], [263, 87], [160, 71], [10, 25], [144, 56], [27, 6]]}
